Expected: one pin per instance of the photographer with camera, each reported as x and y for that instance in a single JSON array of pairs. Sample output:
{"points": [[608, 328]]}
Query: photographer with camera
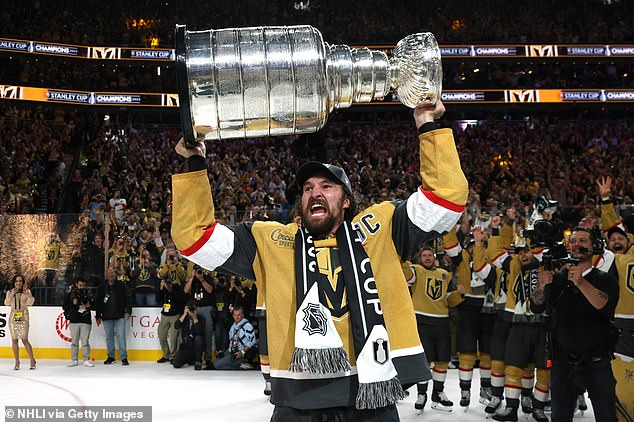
{"points": [[172, 268], [242, 344], [241, 296], [581, 300], [191, 324], [172, 300], [200, 289], [77, 306]]}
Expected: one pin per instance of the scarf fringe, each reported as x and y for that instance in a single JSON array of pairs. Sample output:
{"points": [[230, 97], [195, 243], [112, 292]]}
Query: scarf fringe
{"points": [[379, 394], [320, 361]]}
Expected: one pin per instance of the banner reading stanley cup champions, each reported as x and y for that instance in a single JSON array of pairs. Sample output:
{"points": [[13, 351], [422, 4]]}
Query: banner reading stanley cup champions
{"points": [[271, 81]]}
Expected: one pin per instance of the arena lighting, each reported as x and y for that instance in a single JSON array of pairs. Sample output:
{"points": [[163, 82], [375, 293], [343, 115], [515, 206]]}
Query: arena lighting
{"points": [[464, 124], [303, 6]]}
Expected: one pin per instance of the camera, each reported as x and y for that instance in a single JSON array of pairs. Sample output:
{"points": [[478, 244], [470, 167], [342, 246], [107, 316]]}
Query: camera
{"points": [[549, 234], [545, 232]]}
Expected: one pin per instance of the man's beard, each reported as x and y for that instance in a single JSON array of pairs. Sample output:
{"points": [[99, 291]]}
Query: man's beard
{"points": [[319, 228], [324, 226]]}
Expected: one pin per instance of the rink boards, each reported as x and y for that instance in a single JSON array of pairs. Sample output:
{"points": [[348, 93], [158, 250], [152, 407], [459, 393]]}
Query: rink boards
{"points": [[49, 334]]}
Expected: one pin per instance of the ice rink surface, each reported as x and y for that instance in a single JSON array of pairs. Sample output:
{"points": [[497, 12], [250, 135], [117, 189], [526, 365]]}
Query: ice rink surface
{"points": [[184, 394]]}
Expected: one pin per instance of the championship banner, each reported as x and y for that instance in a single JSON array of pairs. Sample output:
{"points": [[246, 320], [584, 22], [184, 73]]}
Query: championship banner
{"points": [[50, 95], [526, 50], [49, 333], [87, 52], [446, 51], [484, 96]]}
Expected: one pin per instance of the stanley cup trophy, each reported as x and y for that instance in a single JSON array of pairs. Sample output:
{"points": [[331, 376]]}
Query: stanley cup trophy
{"points": [[272, 81]]}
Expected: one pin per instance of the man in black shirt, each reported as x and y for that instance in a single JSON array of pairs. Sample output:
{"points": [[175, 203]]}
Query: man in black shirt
{"points": [[222, 298], [192, 338], [241, 296], [77, 305], [581, 299], [92, 261], [113, 304], [200, 289], [172, 300]]}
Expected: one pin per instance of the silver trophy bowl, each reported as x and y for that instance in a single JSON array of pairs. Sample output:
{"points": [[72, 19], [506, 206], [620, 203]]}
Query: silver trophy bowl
{"points": [[284, 80]]}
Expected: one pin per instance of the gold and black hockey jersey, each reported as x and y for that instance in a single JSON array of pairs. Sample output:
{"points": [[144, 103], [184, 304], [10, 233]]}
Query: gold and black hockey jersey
{"points": [[265, 251], [432, 294], [51, 256], [520, 282]]}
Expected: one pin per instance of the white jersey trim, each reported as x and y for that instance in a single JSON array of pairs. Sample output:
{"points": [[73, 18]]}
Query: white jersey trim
{"points": [[216, 250], [430, 216]]}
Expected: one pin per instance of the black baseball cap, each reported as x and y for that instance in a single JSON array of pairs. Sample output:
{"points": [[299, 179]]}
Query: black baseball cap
{"points": [[312, 168], [617, 229]]}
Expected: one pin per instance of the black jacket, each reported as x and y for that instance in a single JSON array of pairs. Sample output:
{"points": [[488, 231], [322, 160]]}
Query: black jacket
{"points": [[175, 297], [189, 331], [71, 311], [577, 327], [112, 302]]}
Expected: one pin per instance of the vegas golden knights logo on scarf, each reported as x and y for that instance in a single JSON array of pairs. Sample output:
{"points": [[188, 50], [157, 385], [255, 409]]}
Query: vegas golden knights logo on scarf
{"points": [[318, 272], [332, 292]]}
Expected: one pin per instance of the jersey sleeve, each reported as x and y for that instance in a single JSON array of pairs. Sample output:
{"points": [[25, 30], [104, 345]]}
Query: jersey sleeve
{"points": [[199, 237], [481, 266], [609, 218], [451, 244], [409, 273], [438, 203], [498, 246]]}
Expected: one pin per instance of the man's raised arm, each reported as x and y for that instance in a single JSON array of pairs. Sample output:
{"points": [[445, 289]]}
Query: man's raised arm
{"points": [[195, 231], [438, 203]]}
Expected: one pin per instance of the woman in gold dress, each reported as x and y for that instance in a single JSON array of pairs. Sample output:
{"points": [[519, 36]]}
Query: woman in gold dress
{"points": [[19, 298]]}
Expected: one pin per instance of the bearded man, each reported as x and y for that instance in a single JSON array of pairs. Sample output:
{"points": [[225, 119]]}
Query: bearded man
{"points": [[342, 335]]}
